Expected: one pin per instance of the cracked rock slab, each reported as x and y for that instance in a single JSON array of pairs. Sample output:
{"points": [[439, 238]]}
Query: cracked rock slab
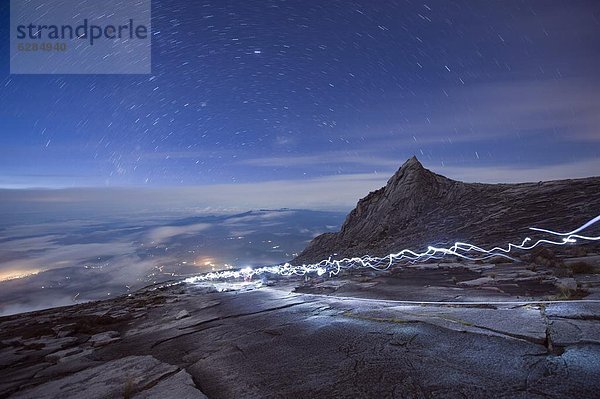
{"points": [[182, 315], [119, 378], [104, 338], [521, 323], [273, 343], [180, 386]]}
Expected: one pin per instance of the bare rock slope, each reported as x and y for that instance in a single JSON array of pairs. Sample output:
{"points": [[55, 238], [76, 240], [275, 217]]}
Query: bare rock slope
{"points": [[274, 343], [418, 208]]}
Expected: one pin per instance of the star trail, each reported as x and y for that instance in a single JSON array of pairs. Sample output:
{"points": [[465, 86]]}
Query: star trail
{"points": [[258, 91]]}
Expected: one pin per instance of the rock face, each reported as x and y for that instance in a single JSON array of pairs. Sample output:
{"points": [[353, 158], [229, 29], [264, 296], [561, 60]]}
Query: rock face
{"points": [[271, 342], [418, 208], [132, 376]]}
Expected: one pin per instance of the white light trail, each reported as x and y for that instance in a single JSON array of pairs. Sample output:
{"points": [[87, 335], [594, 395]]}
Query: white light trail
{"points": [[460, 249], [585, 226]]}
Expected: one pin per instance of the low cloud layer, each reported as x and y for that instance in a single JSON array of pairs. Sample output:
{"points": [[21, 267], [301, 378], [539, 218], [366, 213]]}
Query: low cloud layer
{"points": [[336, 192], [60, 263]]}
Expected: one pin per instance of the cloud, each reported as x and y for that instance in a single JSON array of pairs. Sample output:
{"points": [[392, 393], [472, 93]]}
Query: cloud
{"points": [[486, 111], [162, 234], [59, 256], [159, 155], [262, 217], [334, 192], [35, 304], [369, 158], [328, 192], [520, 174]]}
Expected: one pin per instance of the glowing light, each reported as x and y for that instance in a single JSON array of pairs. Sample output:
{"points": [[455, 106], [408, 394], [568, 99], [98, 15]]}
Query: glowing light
{"points": [[460, 250], [17, 274], [582, 228]]}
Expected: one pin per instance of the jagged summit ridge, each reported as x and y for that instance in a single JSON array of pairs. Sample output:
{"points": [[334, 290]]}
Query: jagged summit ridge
{"points": [[393, 206], [411, 170], [418, 208]]}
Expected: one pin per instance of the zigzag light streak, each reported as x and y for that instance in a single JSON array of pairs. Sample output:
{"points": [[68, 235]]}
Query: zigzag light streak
{"points": [[459, 249]]}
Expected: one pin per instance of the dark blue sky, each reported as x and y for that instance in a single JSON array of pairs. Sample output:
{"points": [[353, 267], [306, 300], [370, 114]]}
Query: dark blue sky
{"points": [[298, 90]]}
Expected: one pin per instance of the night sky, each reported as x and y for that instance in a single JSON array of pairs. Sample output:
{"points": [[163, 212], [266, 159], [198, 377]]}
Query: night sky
{"points": [[251, 92]]}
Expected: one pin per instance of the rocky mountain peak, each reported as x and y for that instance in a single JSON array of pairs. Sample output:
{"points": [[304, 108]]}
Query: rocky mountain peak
{"points": [[418, 207], [412, 175], [412, 163], [410, 169]]}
